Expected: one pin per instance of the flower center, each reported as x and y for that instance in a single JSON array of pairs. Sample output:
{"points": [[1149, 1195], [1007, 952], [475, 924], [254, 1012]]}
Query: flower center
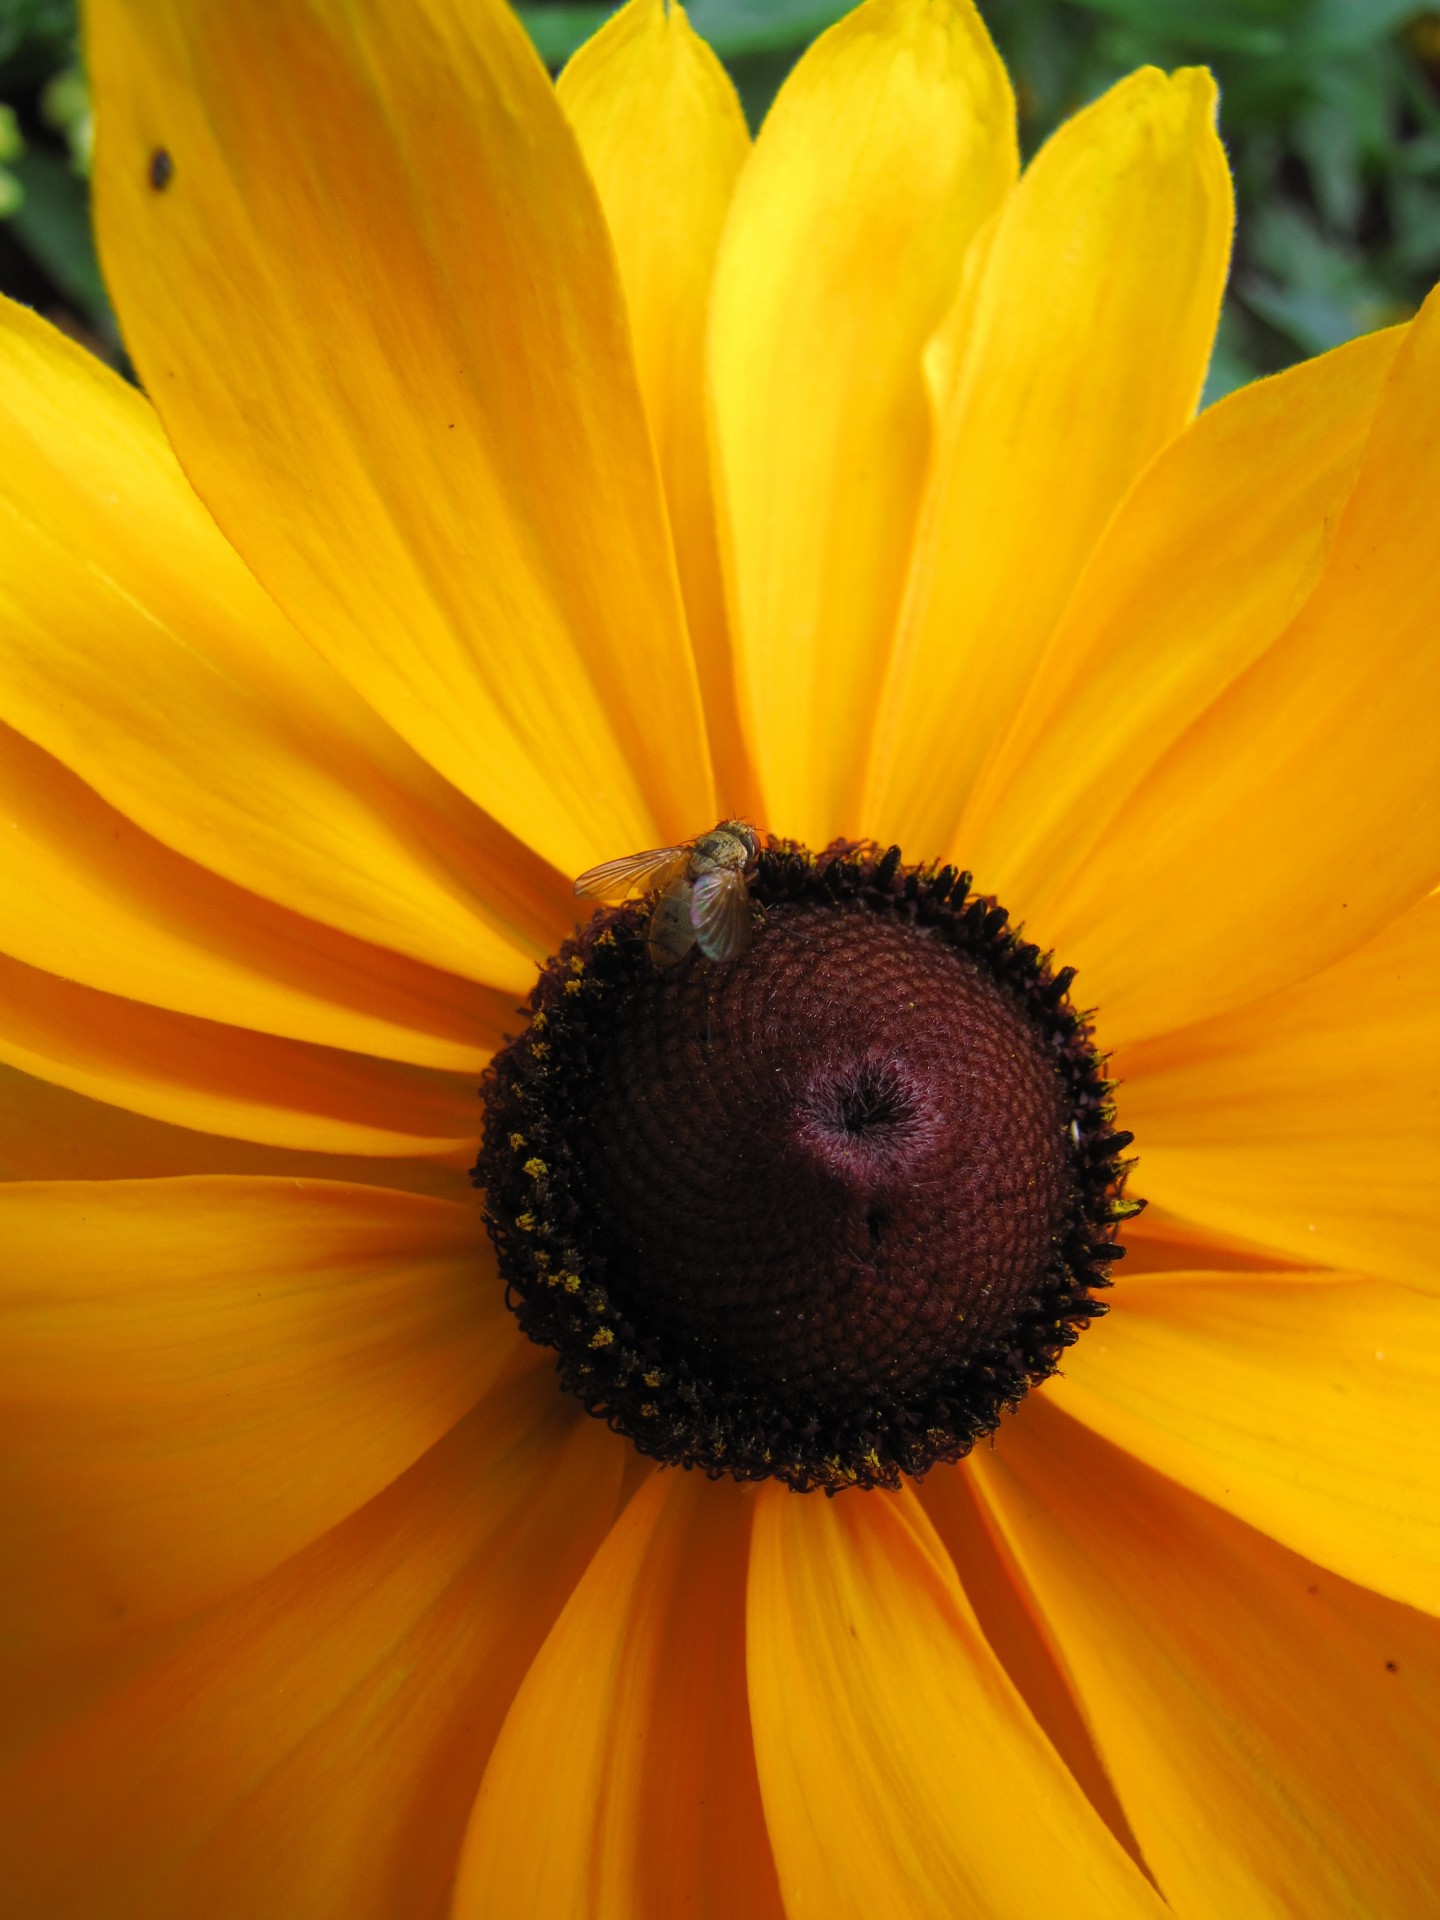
{"points": [[821, 1211]]}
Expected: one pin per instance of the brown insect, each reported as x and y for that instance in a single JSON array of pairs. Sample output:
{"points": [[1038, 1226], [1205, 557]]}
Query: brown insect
{"points": [[701, 888]]}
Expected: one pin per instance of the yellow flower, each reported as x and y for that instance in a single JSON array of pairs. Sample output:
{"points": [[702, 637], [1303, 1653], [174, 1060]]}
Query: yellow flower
{"points": [[852, 487]]}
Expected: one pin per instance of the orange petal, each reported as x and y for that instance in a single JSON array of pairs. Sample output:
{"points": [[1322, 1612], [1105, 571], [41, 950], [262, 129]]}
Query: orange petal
{"points": [[49, 1133], [890, 145], [1297, 815], [1308, 1404], [1272, 1730], [1201, 569], [311, 1751], [664, 138], [1158, 1242], [1019, 1635], [220, 1079], [378, 312], [1078, 355], [137, 649], [1309, 1122], [201, 1375], [86, 895], [623, 1785], [903, 1775]]}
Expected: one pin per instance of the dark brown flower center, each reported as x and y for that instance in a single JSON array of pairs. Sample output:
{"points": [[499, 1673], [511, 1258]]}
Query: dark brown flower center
{"points": [[824, 1210]]}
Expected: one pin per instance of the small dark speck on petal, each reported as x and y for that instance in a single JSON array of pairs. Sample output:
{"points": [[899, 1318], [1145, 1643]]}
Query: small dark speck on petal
{"points": [[1392, 1666], [162, 169]]}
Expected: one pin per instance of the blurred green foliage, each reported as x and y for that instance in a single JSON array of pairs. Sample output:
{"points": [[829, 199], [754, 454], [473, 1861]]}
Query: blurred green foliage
{"points": [[1330, 110], [47, 256]]}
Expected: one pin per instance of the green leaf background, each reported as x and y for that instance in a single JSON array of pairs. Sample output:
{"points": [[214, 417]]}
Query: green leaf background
{"points": [[1330, 110]]}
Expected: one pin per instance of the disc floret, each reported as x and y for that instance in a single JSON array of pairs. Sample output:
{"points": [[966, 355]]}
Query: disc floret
{"points": [[822, 1212]]}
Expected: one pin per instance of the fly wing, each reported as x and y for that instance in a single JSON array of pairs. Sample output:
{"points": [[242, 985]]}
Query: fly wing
{"points": [[635, 873], [720, 911]]}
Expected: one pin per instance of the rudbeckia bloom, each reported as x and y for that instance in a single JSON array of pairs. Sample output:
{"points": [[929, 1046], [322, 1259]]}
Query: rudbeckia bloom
{"points": [[527, 477]]}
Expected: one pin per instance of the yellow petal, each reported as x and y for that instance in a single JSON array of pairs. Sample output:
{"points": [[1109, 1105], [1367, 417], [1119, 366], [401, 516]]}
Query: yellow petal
{"points": [[201, 1375], [1081, 353], [902, 1774], [86, 895], [1310, 1121], [221, 1079], [1203, 566], [380, 318], [623, 1784], [664, 138], [49, 1133], [311, 1751], [889, 146], [1296, 816], [137, 649], [1271, 1729], [1308, 1404]]}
